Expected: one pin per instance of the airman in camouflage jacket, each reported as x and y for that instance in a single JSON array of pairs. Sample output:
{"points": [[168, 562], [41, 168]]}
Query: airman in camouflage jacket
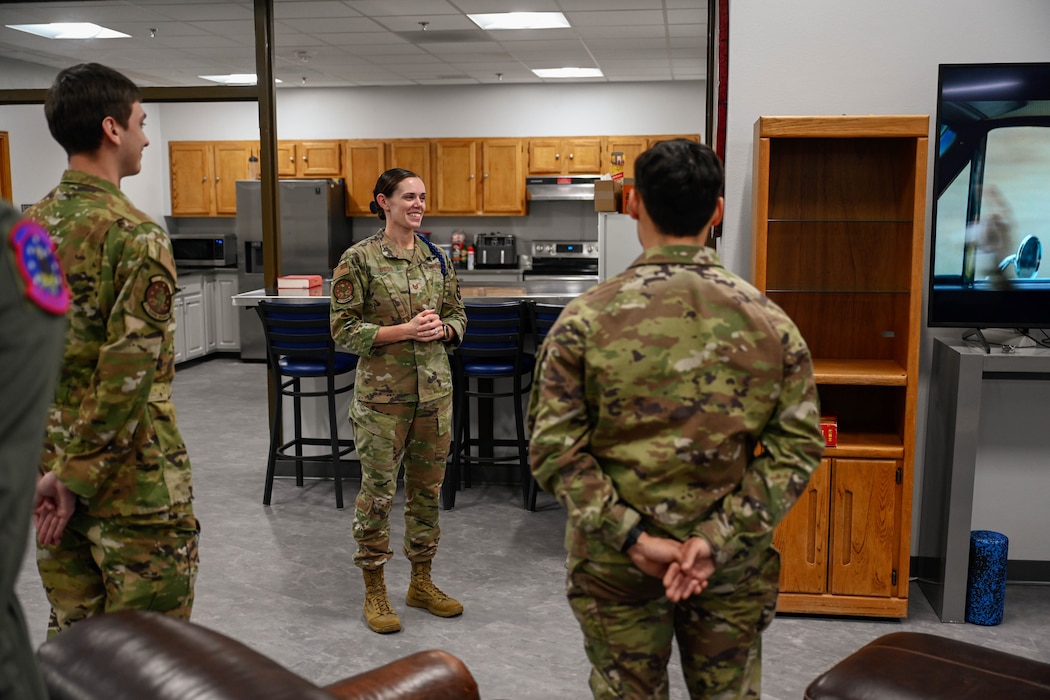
{"points": [[111, 435], [654, 389], [368, 291]]}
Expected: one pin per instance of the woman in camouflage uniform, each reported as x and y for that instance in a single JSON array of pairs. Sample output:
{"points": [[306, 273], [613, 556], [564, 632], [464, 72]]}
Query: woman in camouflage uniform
{"points": [[396, 304]]}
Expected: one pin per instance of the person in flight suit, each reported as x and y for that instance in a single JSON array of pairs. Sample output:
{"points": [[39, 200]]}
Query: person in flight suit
{"points": [[33, 301], [655, 391], [396, 304], [112, 446]]}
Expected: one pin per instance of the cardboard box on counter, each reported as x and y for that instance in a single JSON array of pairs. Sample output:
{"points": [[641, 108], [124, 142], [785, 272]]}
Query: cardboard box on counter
{"points": [[608, 195]]}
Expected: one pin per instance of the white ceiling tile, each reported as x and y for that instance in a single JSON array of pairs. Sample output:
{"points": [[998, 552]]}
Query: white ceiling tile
{"points": [[629, 37]]}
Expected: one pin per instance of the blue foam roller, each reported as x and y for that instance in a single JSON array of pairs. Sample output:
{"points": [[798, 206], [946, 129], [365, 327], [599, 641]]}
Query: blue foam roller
{"points": [[986, 577]]}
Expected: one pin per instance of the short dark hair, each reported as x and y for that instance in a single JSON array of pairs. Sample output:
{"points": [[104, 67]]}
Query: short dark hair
{"points": [[81, 97], [679, 182], [385, 185]]}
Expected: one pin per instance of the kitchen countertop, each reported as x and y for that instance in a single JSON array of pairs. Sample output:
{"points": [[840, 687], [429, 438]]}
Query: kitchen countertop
{"points": [[547, 291]]}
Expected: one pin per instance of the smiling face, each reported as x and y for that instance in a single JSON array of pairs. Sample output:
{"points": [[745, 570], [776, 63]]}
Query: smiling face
{"points": [[405, 206]]}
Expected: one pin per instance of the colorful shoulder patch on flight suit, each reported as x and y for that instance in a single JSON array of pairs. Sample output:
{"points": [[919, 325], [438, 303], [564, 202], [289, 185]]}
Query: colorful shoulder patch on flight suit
{"points": [[159, 296], [35, 254]]}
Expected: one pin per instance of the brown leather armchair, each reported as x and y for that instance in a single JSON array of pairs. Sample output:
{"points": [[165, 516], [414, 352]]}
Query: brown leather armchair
{"points": [[131, 655]]}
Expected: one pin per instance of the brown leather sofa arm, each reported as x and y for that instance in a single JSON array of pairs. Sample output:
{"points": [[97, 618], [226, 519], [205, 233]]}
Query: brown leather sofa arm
{"points": [[132, 655], [426, 675]]}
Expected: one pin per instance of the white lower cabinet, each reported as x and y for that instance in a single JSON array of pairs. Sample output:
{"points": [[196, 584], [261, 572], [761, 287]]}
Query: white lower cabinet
{"points": [[204, 314]]}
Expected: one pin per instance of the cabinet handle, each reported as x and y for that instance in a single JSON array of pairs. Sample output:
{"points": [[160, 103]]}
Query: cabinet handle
{"points": [[557, 156], [472, 176], [304, 159], [291, 159], [204, 179], [571, 156], [485, 176]]}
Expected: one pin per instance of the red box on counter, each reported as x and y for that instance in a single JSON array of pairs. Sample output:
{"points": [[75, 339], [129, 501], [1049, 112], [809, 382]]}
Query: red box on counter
{"points": [[298, 281], [829, 426]]}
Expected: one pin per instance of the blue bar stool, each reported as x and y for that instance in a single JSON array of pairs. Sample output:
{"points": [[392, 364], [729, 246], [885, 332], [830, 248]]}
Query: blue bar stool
{"points": [[542, 317], [491, 349], [299, 345]]}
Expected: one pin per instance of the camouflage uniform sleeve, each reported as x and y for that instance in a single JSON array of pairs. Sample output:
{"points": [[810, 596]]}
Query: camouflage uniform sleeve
{"points": [[120, 387], [452, 312], [792, 445], [349, 292], [559, 446]]}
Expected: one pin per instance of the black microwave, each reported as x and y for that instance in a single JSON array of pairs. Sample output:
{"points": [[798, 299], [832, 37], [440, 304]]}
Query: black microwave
{"points": [[204, 250]]}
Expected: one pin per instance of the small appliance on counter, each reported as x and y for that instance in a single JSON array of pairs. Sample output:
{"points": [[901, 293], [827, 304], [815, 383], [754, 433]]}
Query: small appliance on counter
{"points": [[495, 251]]}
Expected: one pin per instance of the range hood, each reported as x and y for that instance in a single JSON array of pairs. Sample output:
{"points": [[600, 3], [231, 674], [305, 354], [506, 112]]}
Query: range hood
{"points": [[561, 188]]}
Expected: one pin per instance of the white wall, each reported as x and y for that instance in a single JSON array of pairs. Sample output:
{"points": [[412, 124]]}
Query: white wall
{"points": [[848, 57], [37, 161], [401, 112]]}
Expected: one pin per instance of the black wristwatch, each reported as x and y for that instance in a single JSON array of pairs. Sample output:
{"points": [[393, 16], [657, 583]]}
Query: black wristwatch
{"points": [[446, 332], [632, 537]]}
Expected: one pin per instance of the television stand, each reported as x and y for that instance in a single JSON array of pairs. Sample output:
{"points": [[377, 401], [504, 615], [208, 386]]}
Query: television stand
{"points": [[980, 339]]}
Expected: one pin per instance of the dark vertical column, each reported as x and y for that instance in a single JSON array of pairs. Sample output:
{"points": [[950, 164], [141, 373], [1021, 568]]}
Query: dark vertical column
{"points": [[271, 214]]}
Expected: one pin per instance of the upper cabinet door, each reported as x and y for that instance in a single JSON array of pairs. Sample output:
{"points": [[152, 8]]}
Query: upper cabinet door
{"points": [[285, 159], [455, 176], [231, 165], [630, 146], [191, 178], [502, 177], [565, 156], [365, 162], [584, 157], [319, 159]]}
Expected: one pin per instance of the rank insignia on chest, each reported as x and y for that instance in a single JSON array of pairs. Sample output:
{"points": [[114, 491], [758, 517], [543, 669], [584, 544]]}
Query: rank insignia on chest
{"points": [[343, 291], [35, 254], [159, 293]]}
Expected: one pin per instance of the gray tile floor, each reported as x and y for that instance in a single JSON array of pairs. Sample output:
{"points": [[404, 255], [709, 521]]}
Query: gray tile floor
{"points": [[281, 580]]}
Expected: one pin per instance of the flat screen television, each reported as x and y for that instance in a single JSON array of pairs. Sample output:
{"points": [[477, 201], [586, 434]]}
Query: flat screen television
{"points": [[991, 204]]}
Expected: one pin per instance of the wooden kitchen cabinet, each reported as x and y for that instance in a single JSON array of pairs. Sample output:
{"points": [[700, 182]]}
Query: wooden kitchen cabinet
{"points": [[503, 177], [838, 224], [477, 176], [367, 159], [365, 162], [566, 156], [630, 146], [410, 154], [310, 159], [204, 176]]}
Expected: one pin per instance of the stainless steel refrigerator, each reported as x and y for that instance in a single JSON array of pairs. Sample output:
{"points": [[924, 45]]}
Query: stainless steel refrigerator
{"points": [[314, 231]]}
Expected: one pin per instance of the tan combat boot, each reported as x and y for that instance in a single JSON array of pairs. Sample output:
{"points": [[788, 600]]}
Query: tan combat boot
{"points": [[379, 614], [422, 593]]}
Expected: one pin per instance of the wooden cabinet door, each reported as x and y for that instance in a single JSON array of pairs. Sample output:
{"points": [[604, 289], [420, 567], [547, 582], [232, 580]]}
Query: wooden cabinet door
{"points": [[865, 505], [455, 176], [411, 154], [319, 159], [545, 156], [231, 165], [802, 537], [584, 157], [630, 146], [191, 178], [502, 177], [365, 162], [285, 159]]}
